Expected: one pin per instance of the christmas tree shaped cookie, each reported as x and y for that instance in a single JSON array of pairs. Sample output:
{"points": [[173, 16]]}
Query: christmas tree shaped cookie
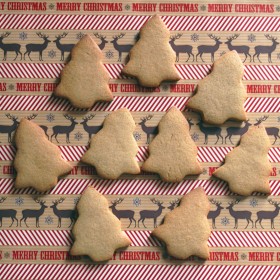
{"points": [[247, 168], [38, 162], [173, 152], [113, 149], [152, 58], [97, 231], [84, 80], [220, 96], [185, 230]]}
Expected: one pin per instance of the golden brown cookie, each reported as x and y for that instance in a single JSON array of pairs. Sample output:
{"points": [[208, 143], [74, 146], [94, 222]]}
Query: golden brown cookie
{"points": [[113, 149], [247, 167], [97, 232], [220, 95], [152, 58], [38, 162], [185, 230], [84, 80], [173, 152]]}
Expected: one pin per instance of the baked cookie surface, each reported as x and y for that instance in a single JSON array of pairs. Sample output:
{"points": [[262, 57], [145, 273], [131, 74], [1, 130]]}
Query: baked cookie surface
{"points": [[38, 162], [247, 167], [97, 231], [186, 230], [220, 96], [113, 149], [152, 60], [84, 80], [173, 153]]}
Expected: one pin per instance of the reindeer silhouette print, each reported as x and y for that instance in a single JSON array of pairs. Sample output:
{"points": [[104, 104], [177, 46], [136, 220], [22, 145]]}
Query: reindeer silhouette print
{"points": [[209, 48], [44, 127], [63, 214], [239, 49], [149, 130], [237, 131], [103, 40], [121, 48], [180, 48], [268, 215], [9, 129], [10, 47], [213, 214], [190, 123], [37, 47], [266, 49], [122, 214], [151, 214], [239, 215], [34, 213], [210, 130], [272, 131], [91, 130], [260, 120], [7, 213], [63, 47], [173, 204], [64, 129]]}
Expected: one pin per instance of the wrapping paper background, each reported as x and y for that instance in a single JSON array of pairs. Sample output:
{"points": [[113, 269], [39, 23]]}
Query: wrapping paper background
{"points": [[26, 88]]}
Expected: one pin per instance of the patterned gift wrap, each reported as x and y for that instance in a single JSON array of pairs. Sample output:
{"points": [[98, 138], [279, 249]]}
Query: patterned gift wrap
{"points": [[241, 246]]}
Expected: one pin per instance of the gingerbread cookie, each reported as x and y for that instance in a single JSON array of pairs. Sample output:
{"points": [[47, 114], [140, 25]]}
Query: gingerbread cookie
{"points": [[97, 232], [247, 167], [152, 58], [38, 162], [185, 230], [113, 149], [221, 95], [84, 80], [173, 154]]}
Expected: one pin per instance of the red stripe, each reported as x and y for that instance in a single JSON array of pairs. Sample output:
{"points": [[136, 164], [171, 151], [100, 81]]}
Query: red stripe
{"points": [[205, 153], [120, 22], [133, 187], [9, 271], [187, 71], [134, 103], [139, 238]]}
